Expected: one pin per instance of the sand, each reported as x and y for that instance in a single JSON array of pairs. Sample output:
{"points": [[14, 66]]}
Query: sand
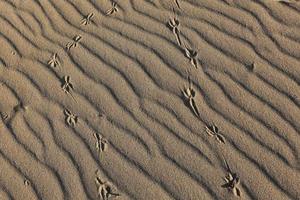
{"points": [[149, 99]]}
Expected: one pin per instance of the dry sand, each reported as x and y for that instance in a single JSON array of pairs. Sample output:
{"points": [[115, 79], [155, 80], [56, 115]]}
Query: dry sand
{"points": [[96, 103]]}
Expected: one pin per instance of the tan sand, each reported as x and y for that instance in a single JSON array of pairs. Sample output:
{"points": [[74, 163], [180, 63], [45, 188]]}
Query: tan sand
{"points": [[149, 99]]}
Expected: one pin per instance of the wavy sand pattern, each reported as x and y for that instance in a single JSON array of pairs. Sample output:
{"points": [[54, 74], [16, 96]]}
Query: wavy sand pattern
{"points": [[149, 99]]}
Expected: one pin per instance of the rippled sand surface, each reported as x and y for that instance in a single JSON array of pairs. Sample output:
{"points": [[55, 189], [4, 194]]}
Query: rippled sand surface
{"points": [[149, 99]]}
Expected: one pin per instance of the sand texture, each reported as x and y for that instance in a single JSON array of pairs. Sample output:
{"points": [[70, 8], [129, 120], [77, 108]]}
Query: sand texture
{"points": [[149, 99]]}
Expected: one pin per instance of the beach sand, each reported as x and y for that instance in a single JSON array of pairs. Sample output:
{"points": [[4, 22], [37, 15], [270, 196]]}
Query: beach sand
{"points": [[149, 99]]}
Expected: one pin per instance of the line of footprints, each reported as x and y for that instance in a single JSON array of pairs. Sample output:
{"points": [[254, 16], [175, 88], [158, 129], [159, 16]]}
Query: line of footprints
{"points": [[104, 188], [189, 93], [231, 179]]}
